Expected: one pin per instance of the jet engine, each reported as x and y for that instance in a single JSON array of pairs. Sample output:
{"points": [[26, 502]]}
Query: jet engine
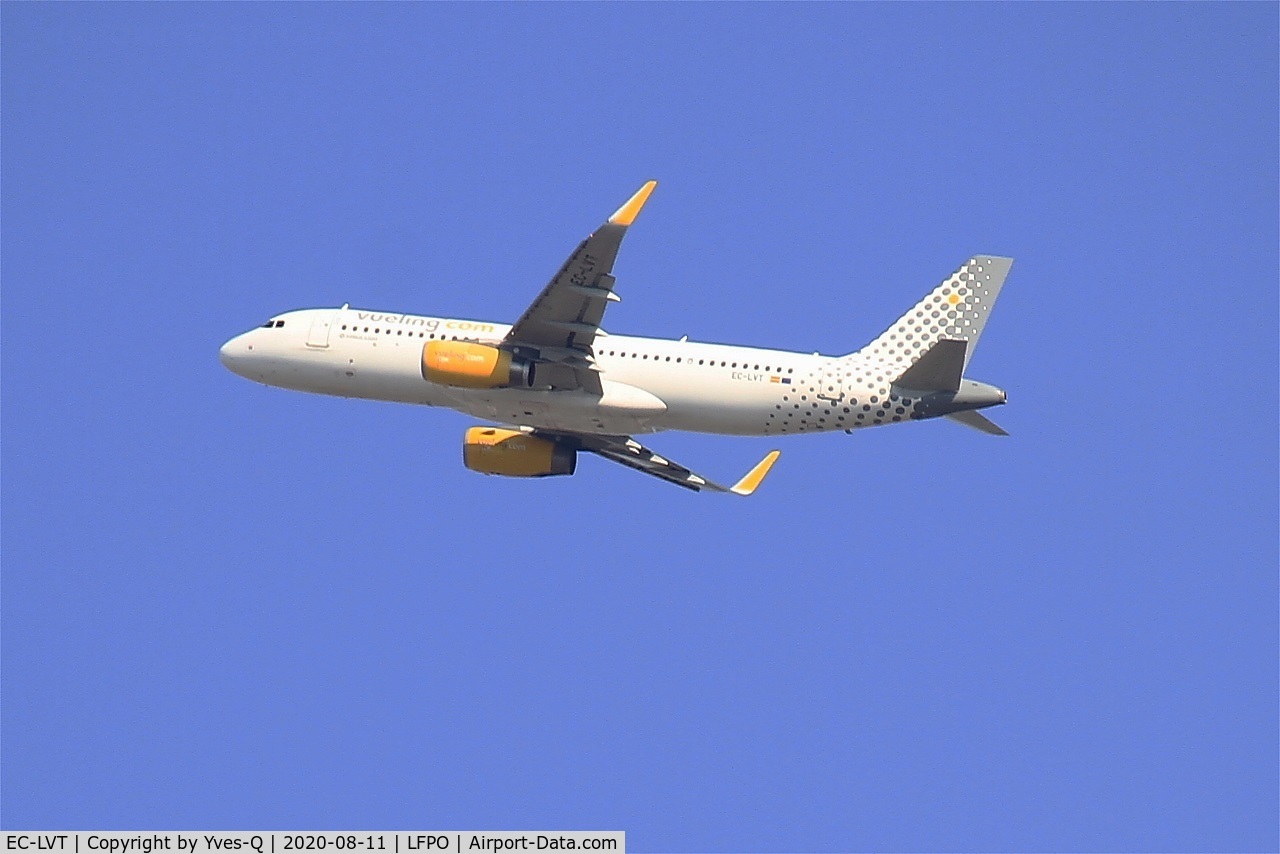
{"points": [[467, 365], [495, 450]]}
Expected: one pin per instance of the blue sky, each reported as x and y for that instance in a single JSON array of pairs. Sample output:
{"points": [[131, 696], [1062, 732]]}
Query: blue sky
{"points": [[227, 606]]}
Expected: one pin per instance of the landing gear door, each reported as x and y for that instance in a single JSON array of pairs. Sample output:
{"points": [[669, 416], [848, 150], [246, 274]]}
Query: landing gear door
{"points": [[319, 334]]}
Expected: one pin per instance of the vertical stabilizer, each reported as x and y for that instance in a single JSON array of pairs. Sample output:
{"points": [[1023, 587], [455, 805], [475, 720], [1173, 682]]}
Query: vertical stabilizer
{"points": [[957, 310]]}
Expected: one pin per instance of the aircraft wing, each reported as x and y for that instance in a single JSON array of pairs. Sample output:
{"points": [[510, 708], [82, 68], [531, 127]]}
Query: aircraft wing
{"points": [[560, 327], [630, 453]]}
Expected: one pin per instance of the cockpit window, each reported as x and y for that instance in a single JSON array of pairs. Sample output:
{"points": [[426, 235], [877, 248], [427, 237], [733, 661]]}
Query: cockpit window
{"points": [[273, 324]]}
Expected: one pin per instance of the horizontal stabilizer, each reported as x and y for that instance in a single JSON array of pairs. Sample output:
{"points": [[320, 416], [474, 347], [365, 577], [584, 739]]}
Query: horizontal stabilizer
{"points": [[976, 420], [939, 369]]}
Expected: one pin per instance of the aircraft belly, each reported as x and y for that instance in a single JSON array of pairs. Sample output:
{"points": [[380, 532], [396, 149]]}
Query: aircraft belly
{"points": [[351, 369], [715, 417], [574, 412], [708, 407]]}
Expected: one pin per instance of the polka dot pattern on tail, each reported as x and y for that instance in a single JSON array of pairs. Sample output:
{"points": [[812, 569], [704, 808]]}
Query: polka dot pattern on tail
{"points": [[956, 309], [857, 390]]}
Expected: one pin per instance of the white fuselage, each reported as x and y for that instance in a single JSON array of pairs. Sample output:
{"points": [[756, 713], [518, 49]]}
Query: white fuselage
{"points": [[649, 384]]}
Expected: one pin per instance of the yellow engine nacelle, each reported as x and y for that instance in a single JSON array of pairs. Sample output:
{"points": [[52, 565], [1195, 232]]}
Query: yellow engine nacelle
{"points": [[467, 365], [494, 450]]}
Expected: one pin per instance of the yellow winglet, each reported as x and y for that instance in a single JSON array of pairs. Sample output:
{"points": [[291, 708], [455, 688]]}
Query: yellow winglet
{"points": [[752, 479], [626, 214]]}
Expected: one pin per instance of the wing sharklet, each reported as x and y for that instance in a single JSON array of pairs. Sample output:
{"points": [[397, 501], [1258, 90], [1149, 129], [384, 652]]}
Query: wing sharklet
{"points": [[626, 214], [753, 478]]}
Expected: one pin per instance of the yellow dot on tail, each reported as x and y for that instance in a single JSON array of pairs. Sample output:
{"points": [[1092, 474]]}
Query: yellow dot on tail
{"points": [[953, 299]]}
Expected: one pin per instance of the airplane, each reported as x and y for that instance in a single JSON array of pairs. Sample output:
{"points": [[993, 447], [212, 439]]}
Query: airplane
{"points": [[555, 384]]}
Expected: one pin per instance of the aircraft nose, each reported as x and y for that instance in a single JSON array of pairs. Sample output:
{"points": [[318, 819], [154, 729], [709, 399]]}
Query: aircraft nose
{"points": [[234, 355]]}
